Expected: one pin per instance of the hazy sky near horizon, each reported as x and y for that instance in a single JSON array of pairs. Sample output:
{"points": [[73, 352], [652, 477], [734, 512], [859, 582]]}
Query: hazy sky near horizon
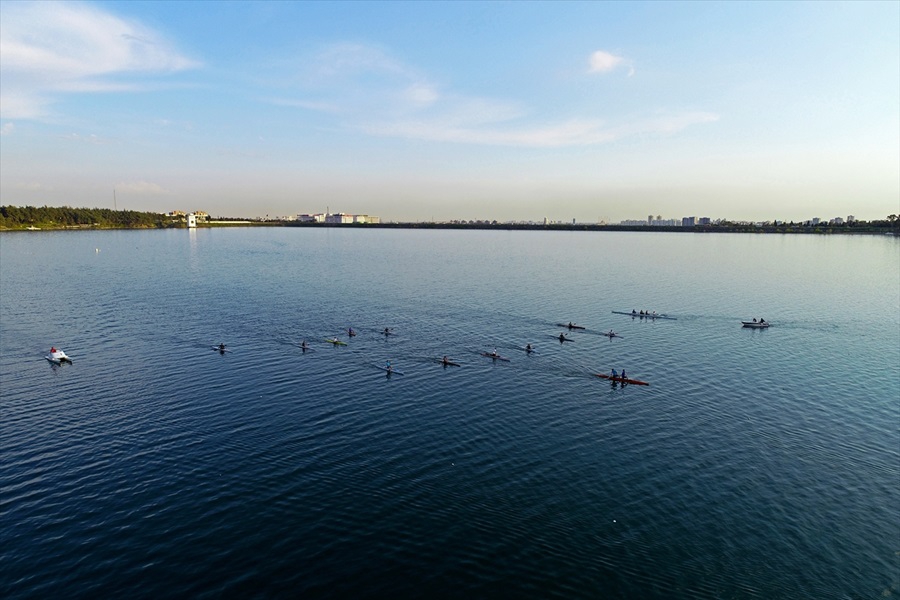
{"points": [[454, 110]]}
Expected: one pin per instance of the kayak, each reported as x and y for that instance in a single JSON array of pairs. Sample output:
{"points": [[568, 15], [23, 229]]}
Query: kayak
{"points": [[336, 341], [390, 370], [494, 356], [755, 325], [571, 326], [220, 350], [611, 335], [645, 315], [562, 339], [621, 379], [449, 363]]}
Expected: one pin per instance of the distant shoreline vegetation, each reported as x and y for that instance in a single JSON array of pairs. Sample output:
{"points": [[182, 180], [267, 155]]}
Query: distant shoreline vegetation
{"points": [[29, 218]]}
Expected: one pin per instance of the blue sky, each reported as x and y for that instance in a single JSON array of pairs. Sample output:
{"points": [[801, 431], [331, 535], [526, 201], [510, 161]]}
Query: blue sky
{"points": [[458, 110]]}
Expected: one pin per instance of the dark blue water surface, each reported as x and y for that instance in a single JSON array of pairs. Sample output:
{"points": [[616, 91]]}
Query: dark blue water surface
{"points": [[757, 464]]}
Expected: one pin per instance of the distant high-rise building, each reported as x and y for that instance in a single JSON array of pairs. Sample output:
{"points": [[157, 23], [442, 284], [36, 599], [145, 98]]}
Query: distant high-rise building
{"points": [[704, 220], [688, 221], [649, 219], [851, 218]]}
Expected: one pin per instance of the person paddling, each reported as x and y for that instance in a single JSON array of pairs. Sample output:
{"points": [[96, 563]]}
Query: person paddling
{"points": [[222, 347], [528, 348], [615, 375]]}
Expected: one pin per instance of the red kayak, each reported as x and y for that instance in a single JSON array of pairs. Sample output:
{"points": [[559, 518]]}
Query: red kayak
{"points": [[621, 379]]}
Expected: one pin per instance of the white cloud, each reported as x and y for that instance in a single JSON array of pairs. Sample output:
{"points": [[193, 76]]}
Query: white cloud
{"points": [[422, 94], [142, 187], [52, 48], [342, 60], [574, 132], [87, 139], [370, 91], [604, 62]]}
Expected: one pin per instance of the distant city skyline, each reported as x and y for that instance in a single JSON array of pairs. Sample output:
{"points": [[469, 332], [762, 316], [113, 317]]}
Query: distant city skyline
{"points": [[439, 111]]}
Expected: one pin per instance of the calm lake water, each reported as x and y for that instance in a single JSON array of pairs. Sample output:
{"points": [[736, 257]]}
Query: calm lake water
{"points": [[757, 464]]}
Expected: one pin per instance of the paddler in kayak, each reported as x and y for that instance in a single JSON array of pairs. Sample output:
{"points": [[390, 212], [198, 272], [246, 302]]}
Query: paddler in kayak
{"points": [[623, 374], [350, 332], [563, 338], [614, 374], [304, 346], [528, 348], [388, 367], [222, 348], [446, 361]]}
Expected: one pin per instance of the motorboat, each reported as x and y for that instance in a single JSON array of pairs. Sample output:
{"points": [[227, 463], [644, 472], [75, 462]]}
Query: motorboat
{"points": [[58, 357]]}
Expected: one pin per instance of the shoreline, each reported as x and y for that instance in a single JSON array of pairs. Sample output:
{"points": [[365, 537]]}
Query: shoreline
{"points": [[752, 229]]}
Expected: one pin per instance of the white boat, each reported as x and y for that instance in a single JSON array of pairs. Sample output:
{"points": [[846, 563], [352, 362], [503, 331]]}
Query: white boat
{"points": [[755, 324], [58, 357]]}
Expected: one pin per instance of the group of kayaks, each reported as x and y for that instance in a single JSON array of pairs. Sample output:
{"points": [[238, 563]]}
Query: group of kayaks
{"points": [[390, 369]]}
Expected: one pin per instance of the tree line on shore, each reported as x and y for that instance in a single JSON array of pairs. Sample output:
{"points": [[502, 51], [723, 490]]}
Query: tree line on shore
{"points": [[50, 217]]}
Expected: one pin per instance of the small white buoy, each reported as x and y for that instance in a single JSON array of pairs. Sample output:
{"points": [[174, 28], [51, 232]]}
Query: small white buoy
{"points": [[97, 250]]}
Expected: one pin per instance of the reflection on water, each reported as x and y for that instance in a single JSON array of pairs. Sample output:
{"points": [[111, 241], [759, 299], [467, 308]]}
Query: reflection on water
{"points": [[756, 464]]}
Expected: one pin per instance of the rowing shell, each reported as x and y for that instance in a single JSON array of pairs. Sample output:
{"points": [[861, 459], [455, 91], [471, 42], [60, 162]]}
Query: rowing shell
{"points": [[621, 379], [645, 315], [494, 356]]}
